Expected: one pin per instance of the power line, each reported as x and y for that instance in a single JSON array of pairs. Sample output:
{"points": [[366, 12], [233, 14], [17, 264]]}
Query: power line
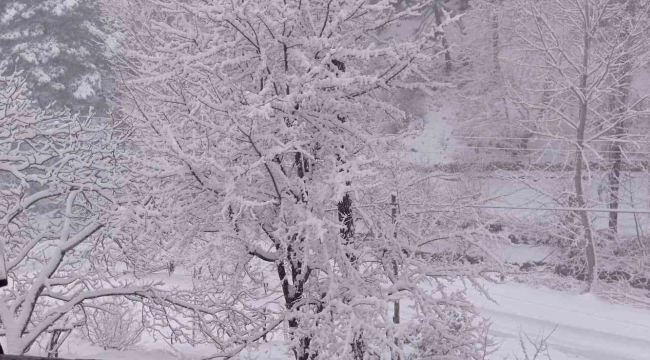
{"points": [[625, 211], [568, 151], [543, 139]]}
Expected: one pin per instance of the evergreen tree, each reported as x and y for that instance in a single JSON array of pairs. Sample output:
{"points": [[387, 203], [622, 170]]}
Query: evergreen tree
{"points": [[60, 47]]}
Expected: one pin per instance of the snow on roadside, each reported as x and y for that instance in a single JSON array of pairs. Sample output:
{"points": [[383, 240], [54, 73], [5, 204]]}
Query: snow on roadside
{"points": [[79, 349], [587, 328]]}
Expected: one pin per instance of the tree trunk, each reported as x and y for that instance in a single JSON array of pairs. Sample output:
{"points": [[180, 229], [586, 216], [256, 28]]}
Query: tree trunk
{"points": [[347, 233], [15, 344], [580, 137], [615, 180], [438, 14], [584, 217], [618, 107], [358, 347], [53, 346], [294, 292], [496, 44], [396, 308]]}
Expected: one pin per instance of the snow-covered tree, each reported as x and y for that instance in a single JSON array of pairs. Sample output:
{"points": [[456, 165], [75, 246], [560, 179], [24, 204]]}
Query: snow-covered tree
{"points": [[58, 172], [60, 45], [482, 111], [260, 127], [581, 57], [69, 232]]}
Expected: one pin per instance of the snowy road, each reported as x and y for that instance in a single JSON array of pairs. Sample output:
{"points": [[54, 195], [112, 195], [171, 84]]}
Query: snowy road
{"points": [[587, 328]]}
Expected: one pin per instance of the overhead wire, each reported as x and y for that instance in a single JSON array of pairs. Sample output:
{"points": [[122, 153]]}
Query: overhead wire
{"points": [[623, 151], [542, 139]]}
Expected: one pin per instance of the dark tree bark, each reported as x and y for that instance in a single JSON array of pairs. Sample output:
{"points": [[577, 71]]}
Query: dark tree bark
{"points": [[53, 346], [346, 219], [347, 234], [295, 290]]}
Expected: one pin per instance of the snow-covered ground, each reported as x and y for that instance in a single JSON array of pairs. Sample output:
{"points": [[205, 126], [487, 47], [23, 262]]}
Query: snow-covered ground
{"points": [[586, 328], [583, 326]]}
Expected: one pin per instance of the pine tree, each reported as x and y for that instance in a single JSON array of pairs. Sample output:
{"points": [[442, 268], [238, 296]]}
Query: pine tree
{"points": [[59, 45]]}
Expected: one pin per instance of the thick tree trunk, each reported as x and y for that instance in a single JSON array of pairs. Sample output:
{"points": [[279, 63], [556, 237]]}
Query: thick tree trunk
{"points": [[14, 343], [294, 291], [302, 353], [347, 233]]}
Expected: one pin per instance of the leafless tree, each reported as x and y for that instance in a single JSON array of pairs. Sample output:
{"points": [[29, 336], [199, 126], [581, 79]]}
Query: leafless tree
{"points": [[581, 56]]}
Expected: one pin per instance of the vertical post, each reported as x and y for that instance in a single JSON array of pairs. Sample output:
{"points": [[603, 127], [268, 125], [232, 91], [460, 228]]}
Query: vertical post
{"points": [[396, 311]]}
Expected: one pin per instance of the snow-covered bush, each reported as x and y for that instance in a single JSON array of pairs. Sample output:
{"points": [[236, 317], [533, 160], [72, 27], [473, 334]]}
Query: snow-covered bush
{"points": [[113, 325]]}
